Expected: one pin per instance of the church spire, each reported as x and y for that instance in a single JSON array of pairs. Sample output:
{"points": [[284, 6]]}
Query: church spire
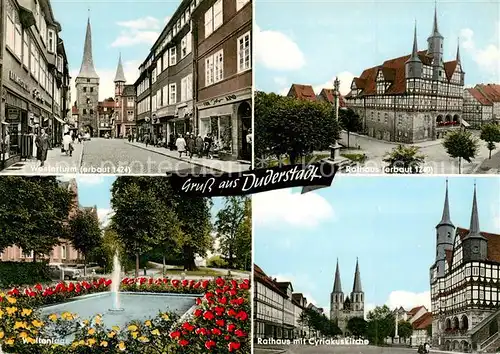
{"points": [[458, 51], [445, 219], [435, 29], [356, 288], [87, 70], [474, 230], [120, 76], [337, 286]]}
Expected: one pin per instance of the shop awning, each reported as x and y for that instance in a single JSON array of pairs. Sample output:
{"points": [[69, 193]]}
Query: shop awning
{"points": [[465, 124], [59, 120]]}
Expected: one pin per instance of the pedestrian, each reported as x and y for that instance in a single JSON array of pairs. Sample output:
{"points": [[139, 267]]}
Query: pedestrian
{"points": [[427, 347], [146, 140], [171, 141], [190, 145], [199, 145], [67, 144], [42, 146], [180, 143], [208, 143], [249, 143]]}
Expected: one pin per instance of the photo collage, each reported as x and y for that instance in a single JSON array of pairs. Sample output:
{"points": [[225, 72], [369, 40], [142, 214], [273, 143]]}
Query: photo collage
{"points": [[249, 177]]}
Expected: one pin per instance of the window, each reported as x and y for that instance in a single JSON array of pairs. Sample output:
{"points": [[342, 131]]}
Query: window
{"points": [[63, 252], [158, 66], [43, 29], [26, 50], [244, 56], [172, 98], [153, 99], [213, 18], [51, 45], [130, 115], [187, 88], [130, 102], [91, 112], [165, 95], [91, 89], [214, 68], [240, 4], [173, 56], [158, 98], [60, 63], [165, 59], [153, 76], [84, 89], [186, 45], [14, 38]]}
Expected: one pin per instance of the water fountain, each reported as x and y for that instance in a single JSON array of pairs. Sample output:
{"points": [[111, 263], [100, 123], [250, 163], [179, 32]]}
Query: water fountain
{"points": [[115, 284]]}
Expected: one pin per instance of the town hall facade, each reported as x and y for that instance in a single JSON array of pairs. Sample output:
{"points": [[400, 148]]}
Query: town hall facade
{"points": [[413, 98], [465, 285]]}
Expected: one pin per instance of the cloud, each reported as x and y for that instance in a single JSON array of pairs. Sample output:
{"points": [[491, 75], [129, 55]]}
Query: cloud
{"points": [[281, 81], [144, 30], [408, 299], [299, 210], [166, 19], [104, 216], [487, 58], [277, 51], [107, 76], [89, 179], [345, 79]]}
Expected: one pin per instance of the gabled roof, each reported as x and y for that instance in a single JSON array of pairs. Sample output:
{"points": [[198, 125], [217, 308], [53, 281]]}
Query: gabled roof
{"points": [[327, 95], [449, 68], [264, 279], [423, 322], [493, 243], [414, 310], [478, 95], [491, 91], [302, 92]]}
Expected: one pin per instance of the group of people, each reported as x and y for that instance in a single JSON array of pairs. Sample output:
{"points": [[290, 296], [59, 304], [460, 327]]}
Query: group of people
{"points": [[42, 142], [191, 145]]}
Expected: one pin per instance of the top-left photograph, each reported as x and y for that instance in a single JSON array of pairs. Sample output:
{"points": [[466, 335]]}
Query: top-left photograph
{"points": [[125, 88]]}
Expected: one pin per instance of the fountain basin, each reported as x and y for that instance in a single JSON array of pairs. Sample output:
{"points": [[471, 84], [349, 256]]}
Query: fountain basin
{"points": [[136, 306]]}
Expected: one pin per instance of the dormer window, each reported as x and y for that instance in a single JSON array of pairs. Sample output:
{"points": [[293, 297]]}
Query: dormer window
{"points": [[51, 41]]}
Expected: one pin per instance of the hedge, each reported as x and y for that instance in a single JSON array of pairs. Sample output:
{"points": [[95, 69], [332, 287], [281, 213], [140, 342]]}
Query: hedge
{"points": [[23, 273]]}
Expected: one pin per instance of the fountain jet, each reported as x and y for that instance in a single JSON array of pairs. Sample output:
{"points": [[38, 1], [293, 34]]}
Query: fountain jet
{"points": [[115, 284]]}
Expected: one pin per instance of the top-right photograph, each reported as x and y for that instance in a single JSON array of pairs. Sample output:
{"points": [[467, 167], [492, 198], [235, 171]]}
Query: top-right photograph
{"points": [[378, 87]]}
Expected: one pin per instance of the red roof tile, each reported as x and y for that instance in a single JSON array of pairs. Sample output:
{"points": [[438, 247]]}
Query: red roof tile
{"points": [[449, 68], [302, 92], [327, 95], [493, 243], [414, 310], [491, 91], [478, 95], [423, 322], [264, 279]]}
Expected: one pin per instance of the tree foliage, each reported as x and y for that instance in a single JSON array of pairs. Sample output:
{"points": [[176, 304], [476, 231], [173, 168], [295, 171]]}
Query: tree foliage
{"points": [[288, 126], [380, 324], [491, 134], [350, 121], [404, 160], [234, 230], [318, 322], [357, 326], [33, 213], [85, 232], [461, 144], [405, 329]]}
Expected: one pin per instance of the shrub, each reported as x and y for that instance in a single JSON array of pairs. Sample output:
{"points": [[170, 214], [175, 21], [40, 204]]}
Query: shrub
{"points": [[216, 262], [20, 273]]}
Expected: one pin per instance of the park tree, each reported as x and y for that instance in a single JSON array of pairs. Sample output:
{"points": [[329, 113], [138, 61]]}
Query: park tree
{"points": [[350, 122], [233, 227], [380, 324], [405, 329], [140, 220], [490, 133], [357, 326], [404, 160], [85, 233], [290, 127], [461, 144], [34, 213]]}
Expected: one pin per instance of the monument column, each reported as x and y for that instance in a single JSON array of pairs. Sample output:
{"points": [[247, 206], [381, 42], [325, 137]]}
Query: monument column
{"points": [[396, 336]]}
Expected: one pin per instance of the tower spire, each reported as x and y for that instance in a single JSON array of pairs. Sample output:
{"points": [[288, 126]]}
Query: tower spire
{"points": [[435, 28], [337, 286], [458, 50], [445, 219], [87, 70], [414, 52], [356, 288], [474, 218], [120, 76]]}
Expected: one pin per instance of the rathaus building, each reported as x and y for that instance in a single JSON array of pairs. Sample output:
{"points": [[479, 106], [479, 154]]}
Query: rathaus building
{"points": [[465, 285], [342, 309], [412, 98]]}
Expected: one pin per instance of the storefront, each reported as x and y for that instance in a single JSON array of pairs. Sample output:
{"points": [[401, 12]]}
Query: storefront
{"points": [[13, 127], [228, 123]]}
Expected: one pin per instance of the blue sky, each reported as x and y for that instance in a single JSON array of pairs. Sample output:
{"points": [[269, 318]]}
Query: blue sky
{"points": [[117, 26], [314, 41], [388, 222], [95, 190]]}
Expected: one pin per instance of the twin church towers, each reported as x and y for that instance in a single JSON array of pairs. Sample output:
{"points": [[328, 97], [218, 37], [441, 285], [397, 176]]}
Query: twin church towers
{"points": [[342, 309]]}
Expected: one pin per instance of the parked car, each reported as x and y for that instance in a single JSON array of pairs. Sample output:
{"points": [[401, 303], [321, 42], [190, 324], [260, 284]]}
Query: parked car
{"points": [[71, 272]]}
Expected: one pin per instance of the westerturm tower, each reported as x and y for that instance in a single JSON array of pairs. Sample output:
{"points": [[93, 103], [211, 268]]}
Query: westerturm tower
{"points": [[87, 88]]}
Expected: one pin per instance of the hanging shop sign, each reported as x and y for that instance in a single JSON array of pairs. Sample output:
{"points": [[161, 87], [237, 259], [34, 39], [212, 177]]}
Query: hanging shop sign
{"points": [[13, 114], [19, 81]]}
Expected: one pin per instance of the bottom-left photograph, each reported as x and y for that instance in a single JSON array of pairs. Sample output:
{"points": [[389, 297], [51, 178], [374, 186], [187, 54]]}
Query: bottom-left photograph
{"points": [[105, 264]]}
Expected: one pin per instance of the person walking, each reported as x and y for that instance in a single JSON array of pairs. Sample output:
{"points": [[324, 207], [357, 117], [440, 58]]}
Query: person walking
{"points": [[208, 144], [42, 146], [190, 145], [67, 144], [199, 145], [146, 140], [180, 143]]}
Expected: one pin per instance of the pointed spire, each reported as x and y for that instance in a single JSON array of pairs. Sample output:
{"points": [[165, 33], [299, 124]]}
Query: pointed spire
{"points": [[120, 76], [474, 218], [337, 286], [356, 288], [414, 52], [445, 219], [435, 28], [87, 70], [458, 50]]}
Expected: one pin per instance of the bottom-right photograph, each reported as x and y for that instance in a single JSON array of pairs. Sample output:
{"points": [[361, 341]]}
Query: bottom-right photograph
{"points": [[378, 264]]}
